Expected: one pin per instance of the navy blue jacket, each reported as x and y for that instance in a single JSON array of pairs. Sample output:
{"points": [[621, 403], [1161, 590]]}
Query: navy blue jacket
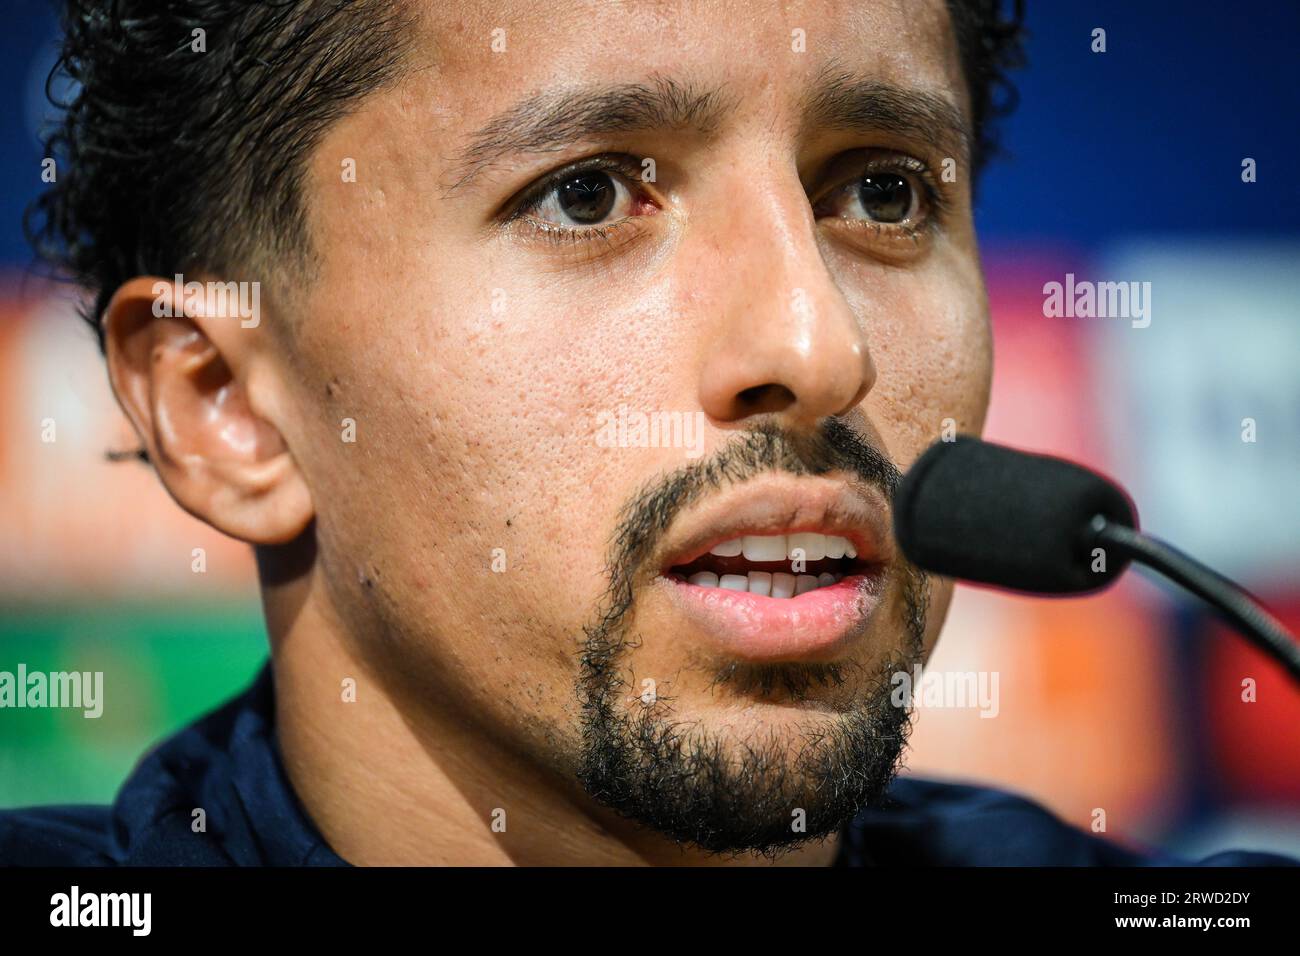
{"points": [[228, 763]]}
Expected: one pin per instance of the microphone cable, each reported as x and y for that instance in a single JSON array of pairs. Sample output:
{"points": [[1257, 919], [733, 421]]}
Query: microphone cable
{"points": [[1230, 599]]}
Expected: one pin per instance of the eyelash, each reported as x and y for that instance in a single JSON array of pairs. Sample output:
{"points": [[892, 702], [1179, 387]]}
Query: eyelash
{"points": [[933, 205], [621, 164], [933, 202]]}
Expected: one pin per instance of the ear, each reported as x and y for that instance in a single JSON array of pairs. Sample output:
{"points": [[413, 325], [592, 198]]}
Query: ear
{"points": [[193, 386]]}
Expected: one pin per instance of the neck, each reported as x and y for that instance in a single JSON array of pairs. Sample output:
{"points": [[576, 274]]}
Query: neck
{"points": [[391, 783]]}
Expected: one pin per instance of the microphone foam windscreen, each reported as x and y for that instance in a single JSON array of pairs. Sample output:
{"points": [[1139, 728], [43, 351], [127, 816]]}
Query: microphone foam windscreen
{"points": [[987, 513]]}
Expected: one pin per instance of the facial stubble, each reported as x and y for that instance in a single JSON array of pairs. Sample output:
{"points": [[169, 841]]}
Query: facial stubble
{"points": [[778, 789]]}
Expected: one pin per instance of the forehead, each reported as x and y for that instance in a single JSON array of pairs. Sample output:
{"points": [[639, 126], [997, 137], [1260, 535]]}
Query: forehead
{"points": [[488, 56]]}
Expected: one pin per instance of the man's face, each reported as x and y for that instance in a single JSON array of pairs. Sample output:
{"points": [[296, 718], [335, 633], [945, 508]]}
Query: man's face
{"points": [[567, 216]]}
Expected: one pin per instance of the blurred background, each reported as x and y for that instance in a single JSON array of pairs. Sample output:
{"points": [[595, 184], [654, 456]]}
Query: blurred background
{"points": [[1121, 166]]}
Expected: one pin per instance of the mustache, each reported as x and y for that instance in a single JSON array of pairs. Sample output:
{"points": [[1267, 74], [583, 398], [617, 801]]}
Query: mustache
{"points": [[677, 778], [763, 449]]}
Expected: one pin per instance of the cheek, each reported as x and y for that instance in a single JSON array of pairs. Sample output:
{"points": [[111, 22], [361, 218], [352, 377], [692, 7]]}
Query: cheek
{"points": [[932, 348], [478, 413], [940, 600], [530, 386]]}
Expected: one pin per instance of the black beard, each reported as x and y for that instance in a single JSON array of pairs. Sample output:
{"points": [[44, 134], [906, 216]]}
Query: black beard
{"points": [[688, 784]]}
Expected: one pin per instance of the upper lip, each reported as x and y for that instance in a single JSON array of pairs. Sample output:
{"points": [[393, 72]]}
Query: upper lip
{"points": [[783, 504]]}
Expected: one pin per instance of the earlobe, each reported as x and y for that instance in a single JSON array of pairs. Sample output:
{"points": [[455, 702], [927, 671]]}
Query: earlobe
{"points": [[183, 378]]}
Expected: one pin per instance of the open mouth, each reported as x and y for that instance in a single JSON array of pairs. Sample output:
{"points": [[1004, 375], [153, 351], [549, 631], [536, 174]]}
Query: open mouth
{"points": [[777, 566]]}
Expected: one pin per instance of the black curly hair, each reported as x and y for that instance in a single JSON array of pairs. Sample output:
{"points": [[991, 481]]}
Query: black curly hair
{"points": [[991, 46], [171, 159]]}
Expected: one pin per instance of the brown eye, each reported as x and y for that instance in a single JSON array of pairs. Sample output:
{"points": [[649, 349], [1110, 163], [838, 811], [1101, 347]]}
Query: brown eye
{"points": [[886, 197], [582, 200], [885, 193], [588, 197]]}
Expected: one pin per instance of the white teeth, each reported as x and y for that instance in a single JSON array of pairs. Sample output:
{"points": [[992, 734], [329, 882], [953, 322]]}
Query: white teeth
{"points": [[804, 583], [778, 585], [728, 549], [812, 544], [780, 547], [764, 547], [773, 548], [782, 585]]}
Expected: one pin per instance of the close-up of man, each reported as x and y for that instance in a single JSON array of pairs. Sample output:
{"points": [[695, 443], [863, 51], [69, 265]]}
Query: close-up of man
{"points": [[567, 359]]}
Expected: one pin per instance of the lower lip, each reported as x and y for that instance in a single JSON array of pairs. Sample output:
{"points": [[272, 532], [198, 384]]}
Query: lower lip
{"points": [[815, 625]]}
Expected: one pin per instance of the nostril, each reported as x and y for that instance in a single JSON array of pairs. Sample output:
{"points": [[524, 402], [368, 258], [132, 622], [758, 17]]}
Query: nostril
{"points": [[765, 399]]}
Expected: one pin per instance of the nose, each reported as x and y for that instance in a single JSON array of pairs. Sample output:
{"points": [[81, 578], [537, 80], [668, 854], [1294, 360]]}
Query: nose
{"points": [[783, 341]]}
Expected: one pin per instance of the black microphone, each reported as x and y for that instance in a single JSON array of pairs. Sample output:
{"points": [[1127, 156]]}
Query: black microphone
{"points": [[982, 512]]}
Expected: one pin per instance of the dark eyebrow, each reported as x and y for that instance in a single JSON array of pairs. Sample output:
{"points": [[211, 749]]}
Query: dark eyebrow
{"points": [[848, 101], [552, 120]]}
